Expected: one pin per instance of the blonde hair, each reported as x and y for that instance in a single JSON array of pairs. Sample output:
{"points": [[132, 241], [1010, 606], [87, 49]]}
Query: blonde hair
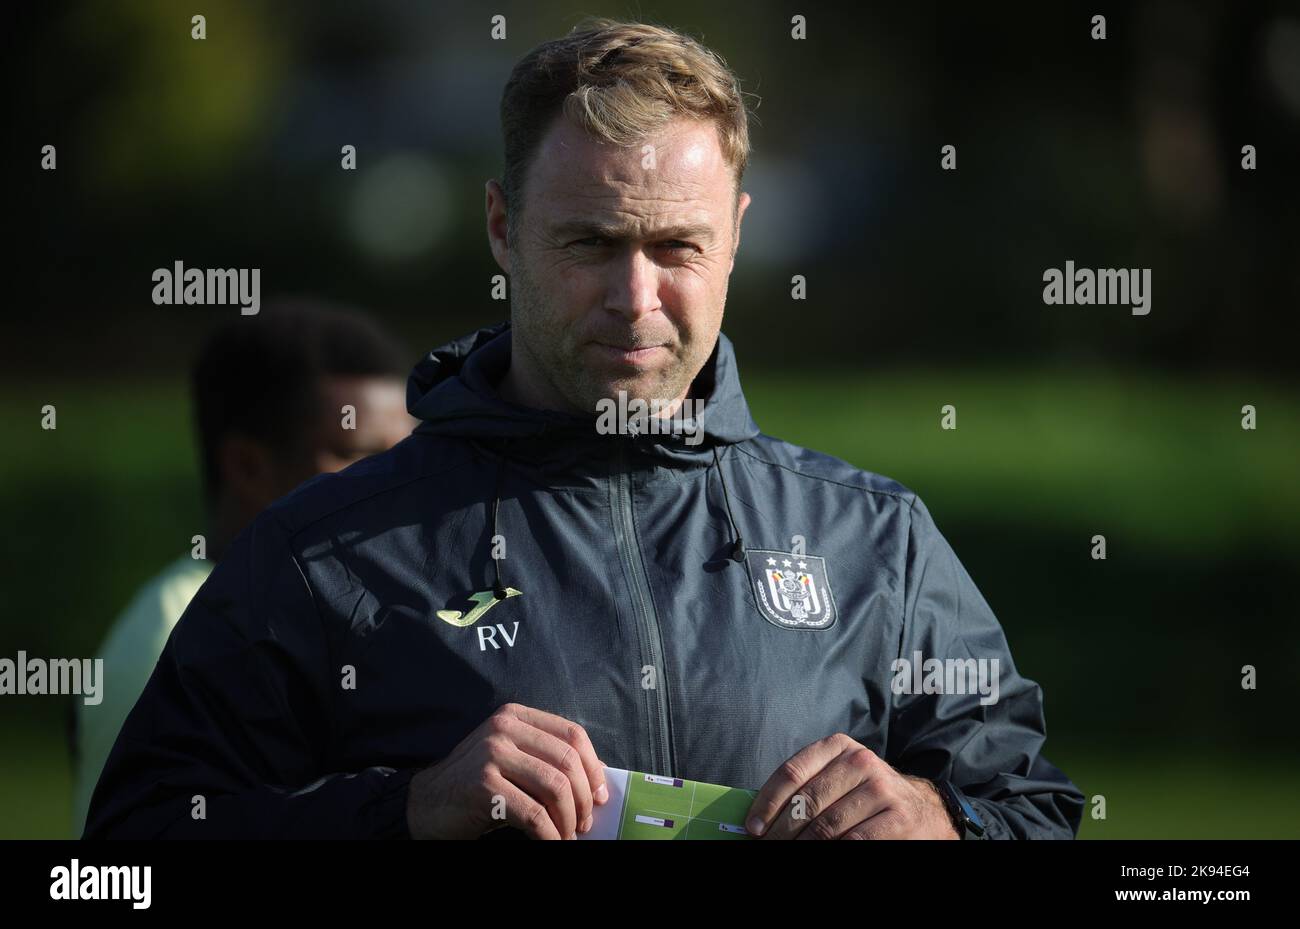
{"points": [[618, 81]]}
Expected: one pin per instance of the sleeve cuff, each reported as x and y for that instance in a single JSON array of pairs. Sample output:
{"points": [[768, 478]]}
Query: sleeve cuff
{"points": [[389, 810]]}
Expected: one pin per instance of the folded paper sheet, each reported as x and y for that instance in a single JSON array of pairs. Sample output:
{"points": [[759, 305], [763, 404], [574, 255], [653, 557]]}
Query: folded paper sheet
{"points": [[648, 806]]}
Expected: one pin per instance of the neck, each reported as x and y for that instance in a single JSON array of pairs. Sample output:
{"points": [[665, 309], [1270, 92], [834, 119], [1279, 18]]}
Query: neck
{"points": [[524, 387]]}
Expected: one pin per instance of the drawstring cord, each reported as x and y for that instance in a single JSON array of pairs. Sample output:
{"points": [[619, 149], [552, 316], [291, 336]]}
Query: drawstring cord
{"points": [[738, 547], [499, 590]]}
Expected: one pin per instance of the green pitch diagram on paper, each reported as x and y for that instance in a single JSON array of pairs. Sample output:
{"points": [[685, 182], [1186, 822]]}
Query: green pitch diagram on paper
{"points": [[651, 806]]}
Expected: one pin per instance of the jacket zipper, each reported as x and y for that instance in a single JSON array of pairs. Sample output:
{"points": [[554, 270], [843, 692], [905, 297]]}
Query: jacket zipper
{"points": [[648, 631]]}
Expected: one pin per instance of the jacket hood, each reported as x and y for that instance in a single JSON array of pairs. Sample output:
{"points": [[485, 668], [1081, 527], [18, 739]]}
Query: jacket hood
{"points": [[452, 390]]}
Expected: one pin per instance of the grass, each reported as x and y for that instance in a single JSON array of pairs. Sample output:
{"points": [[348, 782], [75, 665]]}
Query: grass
{"points": [[1163, 461]]}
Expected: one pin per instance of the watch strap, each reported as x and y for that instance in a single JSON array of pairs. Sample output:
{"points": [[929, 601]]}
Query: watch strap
{"points": [[967, 828]]}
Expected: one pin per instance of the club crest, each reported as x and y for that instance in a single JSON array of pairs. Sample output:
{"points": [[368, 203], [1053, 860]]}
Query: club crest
{"points": [[791, 591]]}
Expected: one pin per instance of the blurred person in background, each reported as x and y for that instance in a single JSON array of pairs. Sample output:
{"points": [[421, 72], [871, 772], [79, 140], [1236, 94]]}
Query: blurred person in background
{"points": [[268, 394]]}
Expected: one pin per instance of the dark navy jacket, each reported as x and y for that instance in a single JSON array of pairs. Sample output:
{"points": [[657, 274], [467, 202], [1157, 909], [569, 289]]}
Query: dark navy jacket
{"points": [[312, 675]]}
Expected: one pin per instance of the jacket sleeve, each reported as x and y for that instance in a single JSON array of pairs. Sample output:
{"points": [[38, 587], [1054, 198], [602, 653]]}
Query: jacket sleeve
{"points": [[990, 749], [230, 736]]}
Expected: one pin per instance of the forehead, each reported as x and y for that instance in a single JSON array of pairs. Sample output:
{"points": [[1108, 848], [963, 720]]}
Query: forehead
{"points": [[574, 177]]}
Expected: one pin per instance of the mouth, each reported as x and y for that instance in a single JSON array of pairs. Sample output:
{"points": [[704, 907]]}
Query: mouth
{"points": [[630, 356]]}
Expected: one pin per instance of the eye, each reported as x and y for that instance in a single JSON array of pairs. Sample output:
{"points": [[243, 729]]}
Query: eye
{"points": [[679, 247]]}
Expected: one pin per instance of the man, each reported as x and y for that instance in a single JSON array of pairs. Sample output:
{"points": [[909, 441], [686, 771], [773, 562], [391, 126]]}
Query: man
{"points": [[460, 634], [268, 392]]}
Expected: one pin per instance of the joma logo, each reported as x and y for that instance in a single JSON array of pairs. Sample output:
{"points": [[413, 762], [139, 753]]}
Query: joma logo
{"points": [[483, 601]]}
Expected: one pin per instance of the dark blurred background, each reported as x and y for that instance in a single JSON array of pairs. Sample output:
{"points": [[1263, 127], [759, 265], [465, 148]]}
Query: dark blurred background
{"points": [[924, 289]]}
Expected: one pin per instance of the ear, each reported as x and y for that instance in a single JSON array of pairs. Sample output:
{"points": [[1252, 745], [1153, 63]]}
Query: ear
{"points": [[248, 472], [496, 225], [740, 214]]}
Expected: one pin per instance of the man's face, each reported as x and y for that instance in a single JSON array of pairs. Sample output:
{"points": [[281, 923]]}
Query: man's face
{"points": [[381, 421], [621, 267]]}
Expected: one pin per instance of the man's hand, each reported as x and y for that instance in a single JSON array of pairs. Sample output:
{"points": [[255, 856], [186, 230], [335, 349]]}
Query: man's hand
{"points": [[532, 770], [837, 788]]}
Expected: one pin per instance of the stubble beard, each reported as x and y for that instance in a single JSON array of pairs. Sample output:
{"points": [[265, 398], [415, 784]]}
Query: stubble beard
{"points": [[565, 364]]}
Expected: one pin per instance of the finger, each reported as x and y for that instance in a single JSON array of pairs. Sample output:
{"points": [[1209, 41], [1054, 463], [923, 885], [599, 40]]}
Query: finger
{"points": [[575, 735], [793, 773], [842, 775], [544, 783], [886, 824], [558, 754], [853, 809], [522, 811]]}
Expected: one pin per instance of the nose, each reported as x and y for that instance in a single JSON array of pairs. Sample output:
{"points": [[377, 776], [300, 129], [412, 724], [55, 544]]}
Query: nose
{"points": [[633, 287]]}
